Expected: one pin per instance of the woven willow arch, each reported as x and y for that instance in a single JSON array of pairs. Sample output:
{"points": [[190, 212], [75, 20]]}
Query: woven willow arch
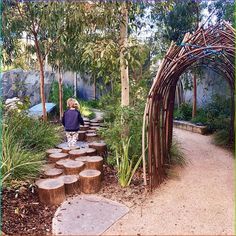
{"points": [[215, 47]]}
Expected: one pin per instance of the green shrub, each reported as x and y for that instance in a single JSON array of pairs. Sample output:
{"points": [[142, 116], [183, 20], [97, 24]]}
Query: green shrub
{"points": [[221, 138], [184, 112], [177, 156], [201, 117], [32, 133], [18, 163]]}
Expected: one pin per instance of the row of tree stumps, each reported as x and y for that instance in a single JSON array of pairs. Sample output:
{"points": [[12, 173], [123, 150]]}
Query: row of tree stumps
{"points": [[74, 169]]}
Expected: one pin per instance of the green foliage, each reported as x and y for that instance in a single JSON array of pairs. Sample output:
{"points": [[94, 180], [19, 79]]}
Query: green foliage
{"points": [[17, 162], [86, 110], [33, 134], [200, 117], [54, 94], [184, 112], [221, 138], [177, 156], [124, 163]]}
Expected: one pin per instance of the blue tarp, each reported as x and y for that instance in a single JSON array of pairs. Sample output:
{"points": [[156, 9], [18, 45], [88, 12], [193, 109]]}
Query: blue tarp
{"points": [[37, 110]]}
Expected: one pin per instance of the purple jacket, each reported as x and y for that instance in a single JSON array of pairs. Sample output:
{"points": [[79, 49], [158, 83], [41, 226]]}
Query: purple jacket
{"points": [[71, 120]]}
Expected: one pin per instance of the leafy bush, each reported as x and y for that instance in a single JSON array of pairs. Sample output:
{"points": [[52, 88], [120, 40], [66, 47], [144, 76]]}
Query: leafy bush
{"points": [[54, 94], [17, 162], [200, 117], [184, 112], [32, 133], [221, 138], [125, 165]]}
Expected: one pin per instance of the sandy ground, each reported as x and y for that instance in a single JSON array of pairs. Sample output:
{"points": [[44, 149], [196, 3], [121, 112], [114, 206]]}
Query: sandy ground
{"points": [[200, 202]]}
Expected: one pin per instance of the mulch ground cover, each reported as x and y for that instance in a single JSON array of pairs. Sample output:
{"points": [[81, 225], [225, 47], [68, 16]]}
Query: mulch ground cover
{"points": [[23, 214]]}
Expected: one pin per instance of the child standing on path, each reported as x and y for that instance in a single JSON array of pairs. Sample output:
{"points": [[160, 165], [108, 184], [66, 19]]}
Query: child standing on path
{"points": [[71, 120]]}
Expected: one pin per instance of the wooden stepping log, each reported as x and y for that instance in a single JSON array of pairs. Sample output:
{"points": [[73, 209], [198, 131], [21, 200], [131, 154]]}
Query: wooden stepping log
{"points": [[90, 151], [95, 163], [77, 153], [67, 149], [100, 147], [53, 150], [73, 167], [90, 131], [82, 135], [84, 127], [91, 137], [95, 125], [65, 145], [53, 173], [83, 159], [71, 183], [85, 119], [94, 128], [86, 122], [60, 164], [51, 191], [57, 156], [90, 181]]}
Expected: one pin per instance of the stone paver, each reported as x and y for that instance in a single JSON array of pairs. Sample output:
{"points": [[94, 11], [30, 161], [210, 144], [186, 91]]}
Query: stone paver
{"points": [[86, 215]]}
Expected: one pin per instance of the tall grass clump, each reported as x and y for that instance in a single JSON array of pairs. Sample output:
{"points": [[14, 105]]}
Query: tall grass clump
{"points": [[177, 156]]}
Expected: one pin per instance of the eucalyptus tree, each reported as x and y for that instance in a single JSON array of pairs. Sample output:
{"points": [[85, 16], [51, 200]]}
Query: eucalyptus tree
{"points": [[42, 22]]}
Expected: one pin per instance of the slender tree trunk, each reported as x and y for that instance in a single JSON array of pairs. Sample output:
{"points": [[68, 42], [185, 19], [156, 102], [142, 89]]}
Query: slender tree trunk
{"points": [[123, 62], [41, 69], [194, 96], [75, 85], [60, 93]]}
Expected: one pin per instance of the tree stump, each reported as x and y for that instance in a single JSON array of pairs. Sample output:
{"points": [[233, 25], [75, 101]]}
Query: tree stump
{"points": [[73, 167], [71, 183], [51, 191], [95, 162], [91, 131], [57, 156], [90, 181], [81, 135], [60, 164], [91, 137], [77, 153], [94, 124], [90, 151], [53, 173], [85, 119], [84, 127], [65, 145], [94, 128], [86, 122], [67, 149], [53, 150], [83, 159], [100, 147]]}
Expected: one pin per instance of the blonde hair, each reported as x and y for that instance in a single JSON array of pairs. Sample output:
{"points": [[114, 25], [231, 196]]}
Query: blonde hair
{"points": [[70, 102], [76, 104]]}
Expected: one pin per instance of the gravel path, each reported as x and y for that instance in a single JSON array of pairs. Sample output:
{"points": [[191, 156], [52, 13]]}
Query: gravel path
{"points": [[200, 202]]}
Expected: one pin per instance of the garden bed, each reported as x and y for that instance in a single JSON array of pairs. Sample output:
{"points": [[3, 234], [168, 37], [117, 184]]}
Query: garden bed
{"points": [[200, 129]]}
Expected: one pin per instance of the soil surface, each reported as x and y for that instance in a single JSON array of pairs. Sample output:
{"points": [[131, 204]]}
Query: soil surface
{"points": [[23, 214], [199, 202]]}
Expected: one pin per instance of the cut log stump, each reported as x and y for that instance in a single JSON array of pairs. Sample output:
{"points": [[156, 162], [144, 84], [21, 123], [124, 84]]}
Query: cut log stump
{"points": [[94, 125], [60, 164], [91, 131], [77, 153], [90, 151], [53, 150], [84, 127], [53, 173], [71, 183], [100, 147], [85, 119], [94, 128], [51, 191], [67, 149], [95, 163], [73, 167], [90, 181], [86, 122], [82, 135], [91, 137], [57, 156], [83, 159]]}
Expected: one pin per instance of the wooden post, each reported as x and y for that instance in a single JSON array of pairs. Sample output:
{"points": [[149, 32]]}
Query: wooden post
{"points": [[194, 111]]}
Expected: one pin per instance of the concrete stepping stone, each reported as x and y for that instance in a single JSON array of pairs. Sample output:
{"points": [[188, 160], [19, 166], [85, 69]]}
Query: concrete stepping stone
{"points": [[86, 215], [53, 150], [90, 181], [51, 191], [54, 157], [53, 173]]}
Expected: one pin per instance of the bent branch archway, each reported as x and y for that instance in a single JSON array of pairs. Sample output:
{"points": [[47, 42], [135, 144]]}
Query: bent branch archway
{"points": [[216, 45]]}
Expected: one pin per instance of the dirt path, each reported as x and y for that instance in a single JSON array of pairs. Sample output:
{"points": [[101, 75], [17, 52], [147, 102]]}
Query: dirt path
{"points": [[201, 202]]}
